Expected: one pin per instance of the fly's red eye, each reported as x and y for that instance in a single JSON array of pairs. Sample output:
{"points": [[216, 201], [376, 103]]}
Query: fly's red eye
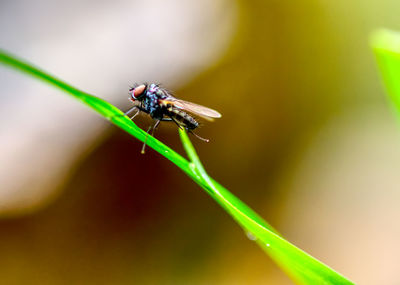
{"points": [[137, 91]]}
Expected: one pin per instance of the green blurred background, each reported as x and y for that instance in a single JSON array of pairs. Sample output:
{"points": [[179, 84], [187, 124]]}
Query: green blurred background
{"points": [[306, 139]]}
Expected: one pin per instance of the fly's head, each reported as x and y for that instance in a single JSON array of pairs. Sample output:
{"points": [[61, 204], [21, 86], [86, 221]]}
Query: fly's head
{"points": [[137, 93]]}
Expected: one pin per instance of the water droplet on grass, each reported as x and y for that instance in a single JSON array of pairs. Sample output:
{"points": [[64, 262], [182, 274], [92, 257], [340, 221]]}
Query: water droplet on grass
{"points": [[250, 236]]}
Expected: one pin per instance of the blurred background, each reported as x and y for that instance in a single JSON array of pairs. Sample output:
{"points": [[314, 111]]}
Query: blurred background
{"points": [[306, 139]]}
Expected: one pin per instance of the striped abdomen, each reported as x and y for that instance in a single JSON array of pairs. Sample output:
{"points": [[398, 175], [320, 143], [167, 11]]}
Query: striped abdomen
{"points": [[183, 118]]}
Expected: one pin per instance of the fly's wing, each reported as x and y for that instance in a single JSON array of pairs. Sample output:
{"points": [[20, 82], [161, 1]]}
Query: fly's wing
{"points": [[206, 113]]}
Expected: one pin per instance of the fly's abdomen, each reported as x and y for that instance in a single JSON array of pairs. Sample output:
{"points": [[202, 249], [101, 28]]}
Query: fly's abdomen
{"points": [[183, 118]]}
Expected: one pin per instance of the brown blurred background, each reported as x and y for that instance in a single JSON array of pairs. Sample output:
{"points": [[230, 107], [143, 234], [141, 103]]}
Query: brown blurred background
{"points": [[306, 139]]}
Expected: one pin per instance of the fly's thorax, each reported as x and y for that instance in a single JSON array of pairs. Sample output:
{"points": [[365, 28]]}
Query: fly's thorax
{"points": [[150, 102]]}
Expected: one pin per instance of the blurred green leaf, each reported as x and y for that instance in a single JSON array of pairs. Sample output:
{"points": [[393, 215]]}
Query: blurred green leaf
{"points": [[300, 266], [386, 46]]}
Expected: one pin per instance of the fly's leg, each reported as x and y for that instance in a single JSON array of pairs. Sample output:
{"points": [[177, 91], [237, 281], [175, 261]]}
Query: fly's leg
{"points": [[197, 136], [176, 122], [147, 134], [155, 126], [137, 113], [131, 110], [145, 140], [189, 131]]}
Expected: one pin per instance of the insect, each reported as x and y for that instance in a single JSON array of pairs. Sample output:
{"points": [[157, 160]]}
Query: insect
{"points": [[162, 106]]}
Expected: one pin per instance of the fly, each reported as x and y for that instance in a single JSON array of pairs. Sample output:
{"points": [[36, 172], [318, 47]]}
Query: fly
{"points": [[162, 106]]}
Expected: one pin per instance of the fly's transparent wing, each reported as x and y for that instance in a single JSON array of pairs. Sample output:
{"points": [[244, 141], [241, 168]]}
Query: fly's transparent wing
{"points": [[196, 109]]}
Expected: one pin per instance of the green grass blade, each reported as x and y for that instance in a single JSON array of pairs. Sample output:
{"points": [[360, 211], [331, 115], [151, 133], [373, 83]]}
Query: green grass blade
{"points": [[386, 46], [296, 263], [302, 267]]}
